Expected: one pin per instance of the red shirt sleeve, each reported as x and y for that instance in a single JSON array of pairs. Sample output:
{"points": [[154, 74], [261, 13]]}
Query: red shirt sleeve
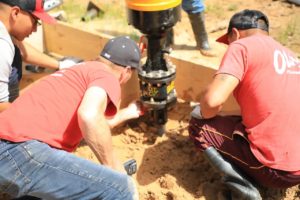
{"points": [[234, 61], [111, 85]]}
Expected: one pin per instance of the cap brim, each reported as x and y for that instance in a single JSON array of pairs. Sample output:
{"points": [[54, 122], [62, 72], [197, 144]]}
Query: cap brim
{"points": [[44, 17], [223, 39]]}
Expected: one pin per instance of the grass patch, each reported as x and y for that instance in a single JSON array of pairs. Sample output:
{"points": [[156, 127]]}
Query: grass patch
{"points": [[73, 9], [288, 32], [112, 21], [232, 7], [117, 17], [215, 9], [115, 12], [219, 10]]}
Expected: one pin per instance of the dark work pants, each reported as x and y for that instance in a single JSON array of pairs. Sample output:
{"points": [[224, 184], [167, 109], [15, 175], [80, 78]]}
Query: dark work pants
{"points": [[227, 134]]}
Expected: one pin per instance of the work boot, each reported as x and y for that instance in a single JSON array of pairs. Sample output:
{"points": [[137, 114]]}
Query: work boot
{"points": [[240, 188], [198, 25]]}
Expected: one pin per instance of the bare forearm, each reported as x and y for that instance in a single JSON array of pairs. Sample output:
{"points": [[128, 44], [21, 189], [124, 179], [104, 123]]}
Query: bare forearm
{"points": [[33, 56], [117, 119], [216, 93], [38, 58], [209, 112], [43, 61], [100, 142], [209, 107], [132, 111], [94, 127]]}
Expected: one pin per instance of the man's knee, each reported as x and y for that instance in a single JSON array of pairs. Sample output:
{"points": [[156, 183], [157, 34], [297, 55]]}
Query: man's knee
{"points": [[195, 130]]}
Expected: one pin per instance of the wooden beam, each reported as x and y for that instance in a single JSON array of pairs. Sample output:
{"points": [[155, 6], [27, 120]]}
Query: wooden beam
{"points": [[67, 40], [191, 77]]}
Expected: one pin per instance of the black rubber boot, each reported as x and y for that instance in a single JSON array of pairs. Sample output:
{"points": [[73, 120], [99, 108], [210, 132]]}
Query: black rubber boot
{"points": [[198, 25], [239, 186]]}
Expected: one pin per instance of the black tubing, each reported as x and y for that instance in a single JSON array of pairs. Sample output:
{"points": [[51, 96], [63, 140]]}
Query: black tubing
{"points": [[240, 187]]}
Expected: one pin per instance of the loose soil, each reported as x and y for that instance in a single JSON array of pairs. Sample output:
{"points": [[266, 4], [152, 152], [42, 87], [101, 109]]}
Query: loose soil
{"points": [[169, 167]]}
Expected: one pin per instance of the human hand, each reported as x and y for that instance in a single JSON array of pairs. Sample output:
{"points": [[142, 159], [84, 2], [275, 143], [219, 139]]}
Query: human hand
{"points": [[196, 113], [68, 62], [133, 110]]}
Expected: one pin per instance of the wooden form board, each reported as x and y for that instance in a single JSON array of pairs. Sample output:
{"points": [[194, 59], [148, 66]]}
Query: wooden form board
{"points": [[64, 39], [191, 77], [191, 80]]}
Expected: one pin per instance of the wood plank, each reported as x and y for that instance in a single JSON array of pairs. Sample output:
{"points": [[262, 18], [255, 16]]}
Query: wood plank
{"points": [[191, 76], [67, 40]]}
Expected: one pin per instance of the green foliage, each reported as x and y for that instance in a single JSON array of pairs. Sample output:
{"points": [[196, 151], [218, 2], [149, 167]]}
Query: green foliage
{"points": [[73, 9], [115, 12], [215, 9], [232, 7], [111, 20], [117, 16], [287, 32]]}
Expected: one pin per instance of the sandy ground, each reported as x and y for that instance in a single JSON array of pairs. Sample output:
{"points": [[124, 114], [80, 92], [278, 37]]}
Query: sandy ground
{"points": [[169, 167]]}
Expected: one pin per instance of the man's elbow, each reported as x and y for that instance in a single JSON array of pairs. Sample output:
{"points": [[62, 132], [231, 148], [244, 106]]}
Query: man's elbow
{"points": [[212, 101], [86, 118]]}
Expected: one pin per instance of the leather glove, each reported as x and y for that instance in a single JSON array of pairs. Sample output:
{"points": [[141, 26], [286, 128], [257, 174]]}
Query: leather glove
{"points": [[196, 113], [69, 61]]}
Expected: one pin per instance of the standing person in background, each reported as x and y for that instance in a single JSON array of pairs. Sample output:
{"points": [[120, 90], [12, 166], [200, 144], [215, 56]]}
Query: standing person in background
{"points": [[195, 10], [262, 144], [48, 121]]}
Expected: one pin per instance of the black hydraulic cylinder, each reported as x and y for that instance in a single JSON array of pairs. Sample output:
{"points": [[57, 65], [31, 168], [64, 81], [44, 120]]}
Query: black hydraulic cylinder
{"points": [[156, 75]]}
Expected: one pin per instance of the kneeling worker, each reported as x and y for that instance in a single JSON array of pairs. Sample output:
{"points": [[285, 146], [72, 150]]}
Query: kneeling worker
{"points": [[261, 145], [49, 120]]}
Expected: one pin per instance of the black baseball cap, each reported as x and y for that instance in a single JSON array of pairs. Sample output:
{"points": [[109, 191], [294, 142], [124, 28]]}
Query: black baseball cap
{"points": [[35, 7], [122, 51], [244, 20]]}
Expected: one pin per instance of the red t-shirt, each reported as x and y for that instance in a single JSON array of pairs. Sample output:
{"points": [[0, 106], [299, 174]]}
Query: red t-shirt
{"points": [[48, 111], [269, 96]]}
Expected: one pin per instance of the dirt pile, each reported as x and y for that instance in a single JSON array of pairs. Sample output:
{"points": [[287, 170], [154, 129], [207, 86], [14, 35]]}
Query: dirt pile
{"points": [[169, 167]]}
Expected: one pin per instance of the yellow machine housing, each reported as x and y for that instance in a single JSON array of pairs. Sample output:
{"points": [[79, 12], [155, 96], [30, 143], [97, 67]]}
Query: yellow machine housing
{"points": [[155, 18], [152, 5]]}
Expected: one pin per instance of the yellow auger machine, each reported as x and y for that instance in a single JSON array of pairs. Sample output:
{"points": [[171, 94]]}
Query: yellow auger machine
{"points": [[154, 18]]}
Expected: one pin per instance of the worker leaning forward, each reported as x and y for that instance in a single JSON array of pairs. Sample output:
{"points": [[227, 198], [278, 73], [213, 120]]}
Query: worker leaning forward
{"points": [[261, 145], [40, 129]]}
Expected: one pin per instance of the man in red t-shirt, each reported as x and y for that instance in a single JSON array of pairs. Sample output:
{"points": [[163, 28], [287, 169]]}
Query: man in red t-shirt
{"points": [[262, 143], [51, 118]]}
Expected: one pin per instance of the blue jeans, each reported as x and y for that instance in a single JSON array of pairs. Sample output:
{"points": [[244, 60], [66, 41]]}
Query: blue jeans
{"points": [[33, 168], [193, 6]]}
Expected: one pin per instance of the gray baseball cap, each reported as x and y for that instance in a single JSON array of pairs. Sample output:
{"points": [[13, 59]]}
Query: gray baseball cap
{"points": [[122, 51]]}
